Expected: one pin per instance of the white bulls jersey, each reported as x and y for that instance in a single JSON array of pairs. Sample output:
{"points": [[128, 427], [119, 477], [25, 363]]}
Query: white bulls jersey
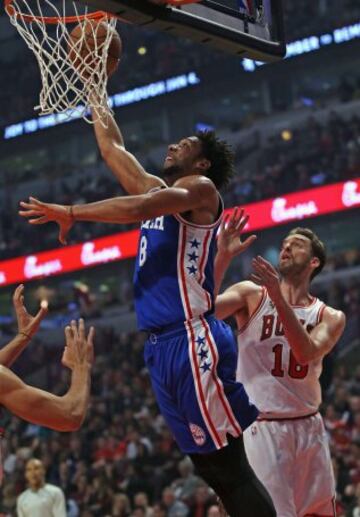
{"points": [[279, 386]]}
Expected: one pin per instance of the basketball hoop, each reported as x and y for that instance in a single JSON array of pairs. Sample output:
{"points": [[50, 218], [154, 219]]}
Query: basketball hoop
{"points": [[66, 89]]}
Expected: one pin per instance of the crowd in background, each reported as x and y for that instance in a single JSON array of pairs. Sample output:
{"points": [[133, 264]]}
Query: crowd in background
{"points": [[123, 450], [308, 156], [311, 155], [315, 16], [124, 461]]}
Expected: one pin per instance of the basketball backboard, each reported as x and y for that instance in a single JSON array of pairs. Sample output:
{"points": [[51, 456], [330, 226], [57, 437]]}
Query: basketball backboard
{"points": [[247, 28]]}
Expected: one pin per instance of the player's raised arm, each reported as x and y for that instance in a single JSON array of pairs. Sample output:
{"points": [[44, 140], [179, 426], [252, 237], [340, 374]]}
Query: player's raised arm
{"points": [[191, 193], [125, 167], [37, 406], [28, 325], [230, 244], [327, 333], [305, 346], [229, 302]]}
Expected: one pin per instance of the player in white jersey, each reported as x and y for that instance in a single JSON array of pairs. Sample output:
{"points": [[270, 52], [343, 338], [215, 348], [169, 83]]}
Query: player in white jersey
{"points": [[283, 335]]}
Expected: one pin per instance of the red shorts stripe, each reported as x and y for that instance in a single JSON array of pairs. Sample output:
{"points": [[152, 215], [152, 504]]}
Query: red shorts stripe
{"points": [[199, 389], [220, 388]]}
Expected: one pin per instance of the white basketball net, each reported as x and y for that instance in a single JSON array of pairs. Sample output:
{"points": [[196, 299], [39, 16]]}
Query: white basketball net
{"points": [[69, 86]]}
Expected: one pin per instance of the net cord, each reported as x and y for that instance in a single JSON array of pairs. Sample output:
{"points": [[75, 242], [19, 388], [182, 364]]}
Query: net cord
{"points": [[70, 86]]}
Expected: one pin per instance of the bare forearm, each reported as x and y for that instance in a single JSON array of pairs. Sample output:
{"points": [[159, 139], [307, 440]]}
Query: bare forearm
{"points": [[61, 413], [77, 398], [12, 350], [65, 413], [107, 135], [126, 169], [132, 209], [296, 334], [222, 262], [120, 210]]}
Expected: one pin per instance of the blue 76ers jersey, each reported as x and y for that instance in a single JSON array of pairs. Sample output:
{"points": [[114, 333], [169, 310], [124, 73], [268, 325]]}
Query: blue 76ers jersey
{"points": [[174, 273]]}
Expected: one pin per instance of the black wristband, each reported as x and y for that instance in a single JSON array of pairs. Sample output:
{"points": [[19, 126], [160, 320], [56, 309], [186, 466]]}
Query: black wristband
{"points": [[71, 213], [26, 335]]}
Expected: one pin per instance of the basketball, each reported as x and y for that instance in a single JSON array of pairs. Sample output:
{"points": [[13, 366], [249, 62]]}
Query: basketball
{"points": [[85, 46]]}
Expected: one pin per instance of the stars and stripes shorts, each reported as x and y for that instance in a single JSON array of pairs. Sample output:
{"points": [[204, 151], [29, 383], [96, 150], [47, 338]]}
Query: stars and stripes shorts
{"points": [[192, 369]]}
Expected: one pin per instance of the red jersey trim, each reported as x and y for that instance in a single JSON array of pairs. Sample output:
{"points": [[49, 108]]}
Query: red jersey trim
{"points": [[320, 313], [313, 301], [280, 419]]}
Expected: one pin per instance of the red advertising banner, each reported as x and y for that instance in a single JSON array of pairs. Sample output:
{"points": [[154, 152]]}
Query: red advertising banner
{"points": [[264, 214], [69, 258], [302, 205]]}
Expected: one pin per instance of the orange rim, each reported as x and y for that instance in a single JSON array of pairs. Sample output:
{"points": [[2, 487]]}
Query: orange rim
{"points": [[53, 20]]}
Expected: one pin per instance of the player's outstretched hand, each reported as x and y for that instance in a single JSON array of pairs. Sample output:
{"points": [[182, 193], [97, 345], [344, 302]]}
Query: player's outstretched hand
{"points": [[266, 275], [44, 212], [79, 348], [27, 324], [229, 239]]}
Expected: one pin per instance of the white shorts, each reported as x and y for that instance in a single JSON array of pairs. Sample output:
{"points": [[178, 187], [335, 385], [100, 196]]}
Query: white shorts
{"points": [[292, 459]]}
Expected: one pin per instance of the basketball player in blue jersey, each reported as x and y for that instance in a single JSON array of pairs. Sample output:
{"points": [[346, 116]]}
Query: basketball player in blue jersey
{"points": [[190, 355]]}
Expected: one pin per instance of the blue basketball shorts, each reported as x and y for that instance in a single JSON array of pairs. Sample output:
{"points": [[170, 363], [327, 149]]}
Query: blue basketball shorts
{"points": [[192, 369]]}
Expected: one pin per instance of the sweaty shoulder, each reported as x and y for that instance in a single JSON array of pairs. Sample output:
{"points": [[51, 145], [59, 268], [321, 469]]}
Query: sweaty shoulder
{"points": [[202, 184], [245, 296], [203, 190], [247, 288], [334, 317]]}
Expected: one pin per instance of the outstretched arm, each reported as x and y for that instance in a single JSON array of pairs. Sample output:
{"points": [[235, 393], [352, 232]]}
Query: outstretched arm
{"points": [[190, 193], [27, 327], [230, 244], [305, 346], [125, 167], [40, 407]]}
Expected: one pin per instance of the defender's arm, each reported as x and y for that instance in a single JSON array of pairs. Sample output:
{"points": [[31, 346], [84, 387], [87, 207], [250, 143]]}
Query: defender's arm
{"points": [[305, 346], [234, 299], [13, 349], [27, 327], [42, 408], [230, 244], [320, 341]]}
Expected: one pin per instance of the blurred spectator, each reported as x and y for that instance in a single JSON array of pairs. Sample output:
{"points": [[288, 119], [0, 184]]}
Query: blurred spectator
{"points": [[124, 460], [121, 506], [213, 511], [312, 155], [201, 501], [40, 498], [185, 486], [141, 501], [174, 507]]}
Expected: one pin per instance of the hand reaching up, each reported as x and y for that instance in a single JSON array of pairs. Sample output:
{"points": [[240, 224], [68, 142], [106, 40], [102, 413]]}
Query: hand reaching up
{"points": [[79, 348], [229, 239], [27, 324]]}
